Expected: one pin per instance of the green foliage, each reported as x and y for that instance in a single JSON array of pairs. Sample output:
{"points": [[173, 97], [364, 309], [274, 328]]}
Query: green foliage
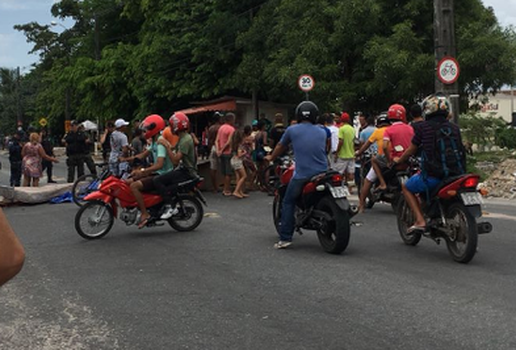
{"points": [[480, 130], [506, 138], [157, 55]]}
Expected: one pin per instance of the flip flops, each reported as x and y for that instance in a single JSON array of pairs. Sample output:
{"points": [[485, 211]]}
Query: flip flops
{"points": [[414, 228], [143, 223]]}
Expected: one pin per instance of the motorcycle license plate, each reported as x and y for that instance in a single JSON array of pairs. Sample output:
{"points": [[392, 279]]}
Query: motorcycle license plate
{"points": [[471, 198], [339, 192]]}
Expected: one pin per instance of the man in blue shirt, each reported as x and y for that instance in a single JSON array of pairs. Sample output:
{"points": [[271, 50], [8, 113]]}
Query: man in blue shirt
{"points": [[309, 143]]}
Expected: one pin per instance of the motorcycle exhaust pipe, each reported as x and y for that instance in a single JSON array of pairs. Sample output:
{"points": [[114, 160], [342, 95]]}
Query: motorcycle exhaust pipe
{"points": [[484, 227], [352, 211]]}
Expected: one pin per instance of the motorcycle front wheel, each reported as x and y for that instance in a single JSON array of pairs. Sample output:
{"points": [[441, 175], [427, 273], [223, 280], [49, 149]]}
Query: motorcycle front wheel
{"points": [[335, 231], [94, 220], [463, 238], [189, 214], [276, 211], [83, 186], [406, 218]]}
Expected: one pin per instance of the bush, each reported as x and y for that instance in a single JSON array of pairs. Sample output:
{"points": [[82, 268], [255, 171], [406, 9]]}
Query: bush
{"points": [[481, 130], [506, 138]]}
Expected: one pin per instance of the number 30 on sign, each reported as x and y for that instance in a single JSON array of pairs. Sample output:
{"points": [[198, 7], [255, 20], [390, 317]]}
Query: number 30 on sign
{"points": [[306, 83]]}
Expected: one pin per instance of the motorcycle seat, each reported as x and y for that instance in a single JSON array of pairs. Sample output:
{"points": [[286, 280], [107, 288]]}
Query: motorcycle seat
{"points": [[321, 175], [444, 183]]}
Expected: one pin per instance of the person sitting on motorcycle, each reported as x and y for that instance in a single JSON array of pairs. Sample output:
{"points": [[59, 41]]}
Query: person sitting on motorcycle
{"points": [[142, 180], [396, 140], [382, 123], [436, 109], [182, 156], [309, 144]]}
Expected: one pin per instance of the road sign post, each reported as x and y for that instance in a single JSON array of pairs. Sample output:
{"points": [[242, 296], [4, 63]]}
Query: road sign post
{"points": [[306, 83]]}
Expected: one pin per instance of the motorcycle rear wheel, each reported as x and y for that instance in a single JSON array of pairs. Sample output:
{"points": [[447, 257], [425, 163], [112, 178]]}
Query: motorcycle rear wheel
{"points": [[94, 220], [463, 245], [83, 186], [406, 218], [189, 216], [334, 236]]}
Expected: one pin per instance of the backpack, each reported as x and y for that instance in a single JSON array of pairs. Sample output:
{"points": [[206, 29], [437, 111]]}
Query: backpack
{"points": [[448, 158]]}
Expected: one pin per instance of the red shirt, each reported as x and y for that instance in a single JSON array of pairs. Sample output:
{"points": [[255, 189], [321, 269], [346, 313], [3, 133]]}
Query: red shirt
{"points": [[224, 133], [400, 136]]}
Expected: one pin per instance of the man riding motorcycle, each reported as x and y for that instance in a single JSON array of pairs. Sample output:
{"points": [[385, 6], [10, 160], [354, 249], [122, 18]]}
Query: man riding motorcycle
{"points": [[182, 156], [309, 144], [436, 109], [142, 180], [396, 140]]}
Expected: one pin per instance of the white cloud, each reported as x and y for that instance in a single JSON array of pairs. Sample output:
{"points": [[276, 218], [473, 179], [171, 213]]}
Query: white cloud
{"points": [[505, 10]]}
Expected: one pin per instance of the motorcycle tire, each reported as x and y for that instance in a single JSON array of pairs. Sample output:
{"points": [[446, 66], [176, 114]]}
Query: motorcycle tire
{"points": [[461, 221], [276, 211], [188, 206], [406, 218], [334, 237], [91, 215], [83, 186]]}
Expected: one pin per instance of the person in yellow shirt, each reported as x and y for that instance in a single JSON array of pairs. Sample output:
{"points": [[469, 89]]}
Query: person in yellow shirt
{"points": [[345, 155], [382, 123]]}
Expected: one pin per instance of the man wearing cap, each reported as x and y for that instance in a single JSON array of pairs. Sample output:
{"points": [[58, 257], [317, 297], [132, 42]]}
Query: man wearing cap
{"points": [[15, 158], [75, 142], [119, 148], [345, 158]]}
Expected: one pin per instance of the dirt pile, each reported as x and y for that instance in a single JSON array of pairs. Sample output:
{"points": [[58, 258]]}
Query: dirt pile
{"points": [[502, 181]]}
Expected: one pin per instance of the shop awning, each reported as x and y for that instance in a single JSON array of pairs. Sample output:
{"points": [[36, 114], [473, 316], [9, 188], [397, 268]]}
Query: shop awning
{"points": [[229, 105]]}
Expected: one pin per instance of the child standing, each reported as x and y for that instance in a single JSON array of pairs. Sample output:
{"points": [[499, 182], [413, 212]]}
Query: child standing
{"points": [[238, 151]]}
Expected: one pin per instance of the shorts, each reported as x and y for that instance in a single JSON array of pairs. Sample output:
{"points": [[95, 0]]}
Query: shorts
{"points": [[148, 183], [225, 165], [345, 166], [214, 159], [236, 163], [418, 184], [382, 162]]}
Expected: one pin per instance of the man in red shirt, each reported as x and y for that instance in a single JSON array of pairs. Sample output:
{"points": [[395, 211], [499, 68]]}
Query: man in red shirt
{"points": [[396, 140], [222, 144]]}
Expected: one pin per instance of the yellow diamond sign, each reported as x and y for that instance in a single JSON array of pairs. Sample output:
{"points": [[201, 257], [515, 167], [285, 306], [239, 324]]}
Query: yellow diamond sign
{"points": [[43, 122]]}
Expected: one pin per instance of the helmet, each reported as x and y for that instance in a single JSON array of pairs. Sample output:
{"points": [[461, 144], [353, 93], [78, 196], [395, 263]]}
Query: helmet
{"points": [[397, 112], [179, 122], [255, 122], [152, 125], [345, 118], [307, 110], [383, 119], [435, 104]]}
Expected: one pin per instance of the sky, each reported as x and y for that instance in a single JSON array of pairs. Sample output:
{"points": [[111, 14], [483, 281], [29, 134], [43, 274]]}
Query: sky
{"points": [[14, 48]]}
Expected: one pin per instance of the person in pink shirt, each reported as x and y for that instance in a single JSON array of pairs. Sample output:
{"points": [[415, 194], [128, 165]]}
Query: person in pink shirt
{"points": [[223, 146], [396, 140]]}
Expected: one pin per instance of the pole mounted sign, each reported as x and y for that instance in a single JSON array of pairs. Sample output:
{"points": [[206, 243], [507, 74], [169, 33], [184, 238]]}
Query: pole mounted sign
{"points": [[43, 122], [448, 70], [306, 83]]}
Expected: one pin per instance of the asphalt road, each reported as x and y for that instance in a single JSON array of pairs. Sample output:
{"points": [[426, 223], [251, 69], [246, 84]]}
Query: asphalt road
{"points": [[223, 286]]}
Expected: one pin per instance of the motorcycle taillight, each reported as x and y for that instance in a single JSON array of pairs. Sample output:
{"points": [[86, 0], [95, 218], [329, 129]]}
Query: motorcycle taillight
{"points": [[470, 182], [336, 179]]}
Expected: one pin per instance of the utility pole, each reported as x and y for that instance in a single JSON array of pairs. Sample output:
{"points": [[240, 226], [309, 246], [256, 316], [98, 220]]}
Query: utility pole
{"points": [[18, 98], [444, 35]]}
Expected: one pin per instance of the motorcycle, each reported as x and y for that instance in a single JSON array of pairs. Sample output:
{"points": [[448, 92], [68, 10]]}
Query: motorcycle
{"points": [[394, 178], [322, 207], [451, 213], [96, 217]]}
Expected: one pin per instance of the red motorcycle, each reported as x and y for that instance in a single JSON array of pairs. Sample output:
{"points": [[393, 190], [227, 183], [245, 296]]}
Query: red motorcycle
{"points": [[322, 207], [451, 213], [115, 199]]}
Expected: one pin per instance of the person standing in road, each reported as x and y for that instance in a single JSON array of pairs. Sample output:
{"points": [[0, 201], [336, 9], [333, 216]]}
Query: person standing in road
{"points": [[309, 144], [278, 130], [334, 131], [75, 142], [119, 148], [33, 153], [105, 140], [222, 144], [212, 149], [88, 147], [48, 147], [15, 158], [345, 157]]}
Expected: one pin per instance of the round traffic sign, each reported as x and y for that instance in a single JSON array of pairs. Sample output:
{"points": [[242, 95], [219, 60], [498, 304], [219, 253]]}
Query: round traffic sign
{"points": [[306, 83], [448, 70]]}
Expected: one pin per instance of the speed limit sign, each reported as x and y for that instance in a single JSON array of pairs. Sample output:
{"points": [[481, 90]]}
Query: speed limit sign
{"points": [[448, 70], [306, 83]]}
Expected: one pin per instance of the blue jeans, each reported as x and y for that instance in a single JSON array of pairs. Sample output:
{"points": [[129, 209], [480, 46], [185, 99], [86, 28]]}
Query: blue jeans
{"points": [[288, 209]]}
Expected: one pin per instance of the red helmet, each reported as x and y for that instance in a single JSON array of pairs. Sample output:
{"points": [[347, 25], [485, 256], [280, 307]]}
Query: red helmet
{"points": [[397, 112], [179, 122], [345, 118], [152, 125]]}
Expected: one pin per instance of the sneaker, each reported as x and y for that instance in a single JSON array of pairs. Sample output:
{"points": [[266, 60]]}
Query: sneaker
{"points": [[282, 245], [168, 211]]}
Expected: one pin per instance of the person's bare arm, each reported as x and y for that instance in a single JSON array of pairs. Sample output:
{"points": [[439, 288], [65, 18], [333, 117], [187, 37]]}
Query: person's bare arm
{"points": [[23, 152], [409, 152], [278, 150], [386, 146], [45, 156], [12, 254], [364, 147]]}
